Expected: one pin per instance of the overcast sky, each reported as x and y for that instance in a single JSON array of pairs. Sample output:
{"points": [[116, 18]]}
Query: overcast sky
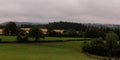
{"points": [[85, 11]]}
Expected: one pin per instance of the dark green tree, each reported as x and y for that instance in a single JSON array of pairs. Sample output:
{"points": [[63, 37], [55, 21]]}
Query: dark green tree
{"points": [[101, 34], [117, 31], [22, 36], [109, 47], [35, 32], [92, 33], [70, 33], [10, 28], [111, 41]]}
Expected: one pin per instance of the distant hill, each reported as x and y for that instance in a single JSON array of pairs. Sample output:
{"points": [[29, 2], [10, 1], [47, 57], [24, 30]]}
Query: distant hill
{"points": [[67, 25], [20, 23]]}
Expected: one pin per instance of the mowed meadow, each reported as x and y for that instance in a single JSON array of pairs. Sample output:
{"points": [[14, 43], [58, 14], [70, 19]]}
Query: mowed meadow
{"points": [[69, 50]]}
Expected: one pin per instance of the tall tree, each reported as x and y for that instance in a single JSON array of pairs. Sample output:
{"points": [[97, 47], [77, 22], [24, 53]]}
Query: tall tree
{"points": [[35, 32], [70, 33], [92, 32], [111, 40], [10, 28]]}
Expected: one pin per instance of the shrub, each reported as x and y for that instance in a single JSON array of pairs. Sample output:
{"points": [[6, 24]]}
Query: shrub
{"points": [[22, 37], [19, 38]]}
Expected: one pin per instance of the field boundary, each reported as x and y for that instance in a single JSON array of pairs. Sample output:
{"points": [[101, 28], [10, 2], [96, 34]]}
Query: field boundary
{"points": [[44, 41]]}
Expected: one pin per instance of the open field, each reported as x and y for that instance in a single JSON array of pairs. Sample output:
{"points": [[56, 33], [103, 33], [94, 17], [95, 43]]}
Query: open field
{"points": [[42, 51]]}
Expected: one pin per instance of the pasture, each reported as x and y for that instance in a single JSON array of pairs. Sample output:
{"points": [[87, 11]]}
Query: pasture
{"points": [[43, 51], [13, 38]]}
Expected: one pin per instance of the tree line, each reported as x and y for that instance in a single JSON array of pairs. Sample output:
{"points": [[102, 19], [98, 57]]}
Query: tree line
{"points": [[70, 29]]}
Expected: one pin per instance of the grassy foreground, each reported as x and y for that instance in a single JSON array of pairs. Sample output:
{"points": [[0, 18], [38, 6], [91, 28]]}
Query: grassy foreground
{"points": [[43, 51]]}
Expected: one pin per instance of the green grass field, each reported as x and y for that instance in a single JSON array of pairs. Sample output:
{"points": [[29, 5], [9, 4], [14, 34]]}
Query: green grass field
{"points": [[13, 38], [42, 51]]}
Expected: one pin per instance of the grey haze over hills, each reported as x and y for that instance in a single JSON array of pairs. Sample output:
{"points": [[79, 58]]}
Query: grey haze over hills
{"points": [[20, 23]]}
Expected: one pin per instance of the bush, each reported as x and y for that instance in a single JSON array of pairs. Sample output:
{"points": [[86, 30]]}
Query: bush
{"points": [[22, 37]]}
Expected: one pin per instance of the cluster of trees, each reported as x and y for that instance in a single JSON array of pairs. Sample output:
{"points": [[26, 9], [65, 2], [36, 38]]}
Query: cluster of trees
{"points": [[110, 47], [12, 29], [65, 33]]}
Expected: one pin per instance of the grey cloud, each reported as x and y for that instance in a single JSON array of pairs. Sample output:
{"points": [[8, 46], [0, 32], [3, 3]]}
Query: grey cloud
{"points": [[86, 11]]}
